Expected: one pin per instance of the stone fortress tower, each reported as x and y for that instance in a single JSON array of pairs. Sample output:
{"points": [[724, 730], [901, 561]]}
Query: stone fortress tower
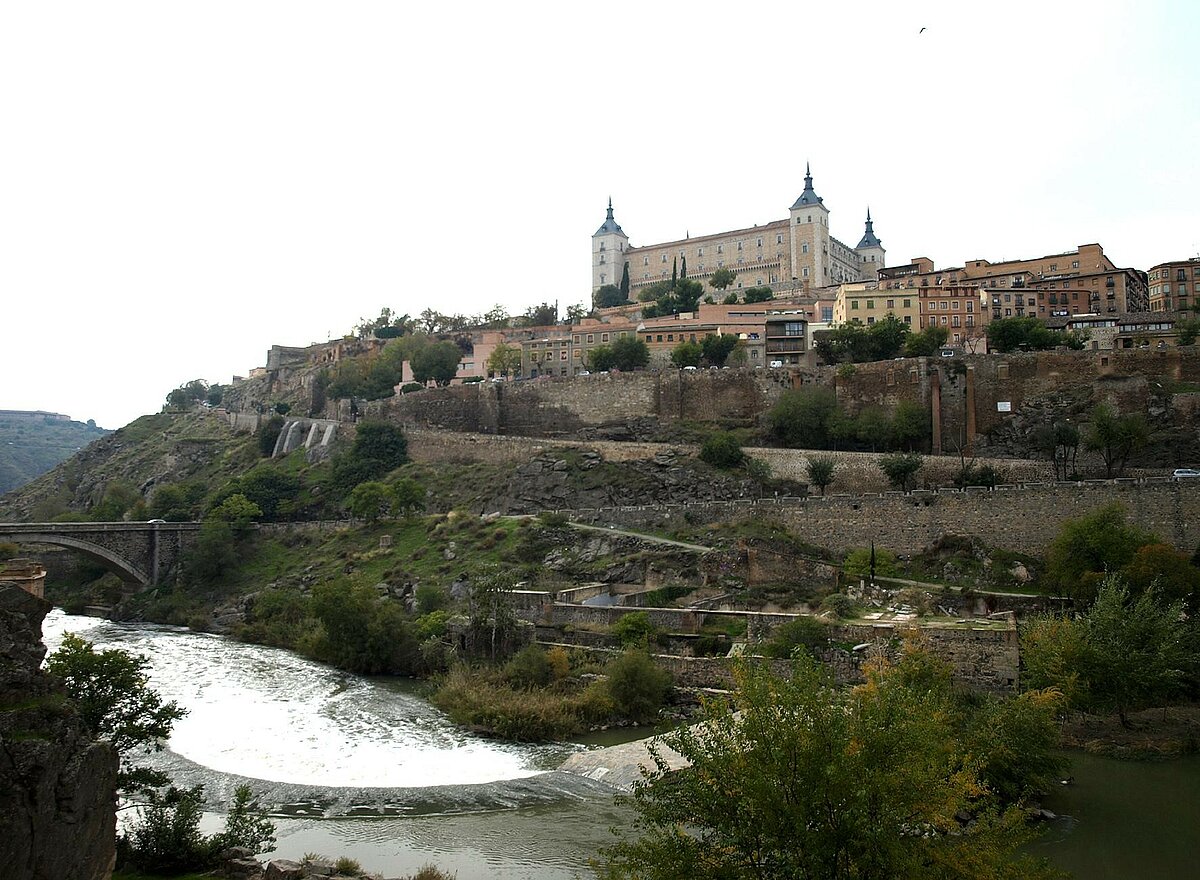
{"points": [[797, 253]]}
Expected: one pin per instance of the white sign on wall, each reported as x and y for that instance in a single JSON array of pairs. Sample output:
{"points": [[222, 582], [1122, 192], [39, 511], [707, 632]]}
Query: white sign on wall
{"points": [[1003, 406]]}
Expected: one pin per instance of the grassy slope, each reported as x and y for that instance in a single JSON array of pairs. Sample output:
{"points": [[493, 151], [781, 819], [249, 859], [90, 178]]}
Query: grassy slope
{"points": [[30, 447]]}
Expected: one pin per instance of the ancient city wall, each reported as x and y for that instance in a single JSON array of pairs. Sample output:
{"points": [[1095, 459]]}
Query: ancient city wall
{"points": [[1024, 519], [986, 658]]}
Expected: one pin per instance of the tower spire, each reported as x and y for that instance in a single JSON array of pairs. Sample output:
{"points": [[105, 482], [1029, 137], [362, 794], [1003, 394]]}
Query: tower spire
{"points": [[869, 240], [809, 196]]}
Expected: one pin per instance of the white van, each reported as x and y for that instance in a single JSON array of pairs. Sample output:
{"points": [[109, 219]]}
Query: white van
{"points": [[775, 364]]}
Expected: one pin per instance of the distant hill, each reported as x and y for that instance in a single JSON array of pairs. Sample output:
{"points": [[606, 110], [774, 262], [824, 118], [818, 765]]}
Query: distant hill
{"points": [[31, 443]]}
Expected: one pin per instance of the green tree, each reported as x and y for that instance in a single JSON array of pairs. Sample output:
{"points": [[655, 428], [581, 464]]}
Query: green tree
{"points": [[1030, 334], [609, 295], [1087, 547], [408, 496], [505, 360], [804, 634], [873, 427], [722, 450], [378, 448], [731, 299], [1166, 569], [820, 470], [625, 282], [630, 353], [601, 358], [1116, 437], [758, 295], [717, 348], [541, 315], [801, 417], [437, 362], [722, 278], [801, 779], [926, 343], [1059, 442], [370, 500], [112, 694], [910, 426], [362, 633], [237, 511], [637, 686], [1188, 329], [268, 434], [686, 354], [1126, 653], [900, 468]]}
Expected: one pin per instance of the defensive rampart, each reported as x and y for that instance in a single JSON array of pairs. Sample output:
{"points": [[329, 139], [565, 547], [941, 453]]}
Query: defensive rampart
{"points": [[1021, 518]]}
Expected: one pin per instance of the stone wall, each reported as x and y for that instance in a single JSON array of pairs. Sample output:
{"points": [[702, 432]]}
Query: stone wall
{"points": [[57, 787], [985, 659], [1021, 518], [855, 471]]}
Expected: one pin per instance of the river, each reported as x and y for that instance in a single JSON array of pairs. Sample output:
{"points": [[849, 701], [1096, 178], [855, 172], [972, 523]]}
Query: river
{"points": [[365, 767]]}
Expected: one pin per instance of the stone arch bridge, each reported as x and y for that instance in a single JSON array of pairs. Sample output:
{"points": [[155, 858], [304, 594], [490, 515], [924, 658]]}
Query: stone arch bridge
{"points": [[138, 552]]}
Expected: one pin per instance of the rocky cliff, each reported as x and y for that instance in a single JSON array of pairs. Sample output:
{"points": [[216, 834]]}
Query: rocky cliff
{"points": [[57, 786]]}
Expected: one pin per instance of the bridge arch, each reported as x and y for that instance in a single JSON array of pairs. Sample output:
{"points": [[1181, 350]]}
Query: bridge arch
{"points": [[109, 558]]}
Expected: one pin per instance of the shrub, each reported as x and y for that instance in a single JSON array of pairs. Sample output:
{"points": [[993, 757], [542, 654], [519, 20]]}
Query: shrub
{"points": [[722, 450], [430, 597], [528, 668], [635, 628], [840, 605], [638, 687], [900, 468], [347, 865], [805, 634], [410, 387], [820, 471]]}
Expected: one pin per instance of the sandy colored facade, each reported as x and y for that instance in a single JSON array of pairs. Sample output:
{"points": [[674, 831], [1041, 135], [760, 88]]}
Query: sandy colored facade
{"points": [[1174, 285], [797, 252], [1076, 282]]}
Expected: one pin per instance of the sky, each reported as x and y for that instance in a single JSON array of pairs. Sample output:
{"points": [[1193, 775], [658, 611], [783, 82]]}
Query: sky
{"points": [[183, 185]]}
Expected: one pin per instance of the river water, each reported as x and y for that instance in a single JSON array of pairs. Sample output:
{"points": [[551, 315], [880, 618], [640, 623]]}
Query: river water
{"points": [[367, 768]]}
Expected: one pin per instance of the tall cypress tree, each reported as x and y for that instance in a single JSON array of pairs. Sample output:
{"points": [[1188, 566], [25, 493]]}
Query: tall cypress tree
{"points": [[683, 269], [674, 271], [625, 282]]}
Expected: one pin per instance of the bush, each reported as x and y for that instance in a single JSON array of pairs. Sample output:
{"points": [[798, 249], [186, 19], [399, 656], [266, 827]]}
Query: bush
{"points": [[410, 387], [979, 475], [722, 450], [528, 668], [805, 634], [900, 468], [858, 563], [840, 605], [635, 628], [638, 687]]}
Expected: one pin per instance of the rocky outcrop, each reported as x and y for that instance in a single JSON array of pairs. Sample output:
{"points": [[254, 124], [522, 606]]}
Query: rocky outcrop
{"points": [[57, 786]]}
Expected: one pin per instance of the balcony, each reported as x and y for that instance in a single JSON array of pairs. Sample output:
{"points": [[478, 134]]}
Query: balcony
{"points": [[791, 345]]}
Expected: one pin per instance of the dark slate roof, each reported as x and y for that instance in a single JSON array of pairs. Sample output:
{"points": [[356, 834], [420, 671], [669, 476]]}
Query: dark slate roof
{"points": [[869, 240], [808, 197], [610, 225]]}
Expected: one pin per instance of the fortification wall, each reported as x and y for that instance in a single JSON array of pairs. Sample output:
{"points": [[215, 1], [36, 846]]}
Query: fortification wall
{"points": [[1020, 518]]}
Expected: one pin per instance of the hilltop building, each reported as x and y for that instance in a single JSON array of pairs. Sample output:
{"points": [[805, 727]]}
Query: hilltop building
{"points": [[795, 253], [1175, 285], [1075, 282]]}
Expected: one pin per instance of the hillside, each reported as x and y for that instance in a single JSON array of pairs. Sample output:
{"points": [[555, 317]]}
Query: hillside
{"points": [[33, 443], [150, 451]]}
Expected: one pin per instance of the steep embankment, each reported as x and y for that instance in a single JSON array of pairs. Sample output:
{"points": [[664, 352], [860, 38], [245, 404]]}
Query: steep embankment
{"points": [[32, 444], [57, 787], [148, 452]]}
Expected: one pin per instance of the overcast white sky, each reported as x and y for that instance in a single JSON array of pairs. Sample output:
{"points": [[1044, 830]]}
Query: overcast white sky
{"points": [[184, 184]]}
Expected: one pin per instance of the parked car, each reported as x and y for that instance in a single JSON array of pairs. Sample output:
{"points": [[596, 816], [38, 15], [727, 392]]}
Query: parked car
{"points": [[689, 367], [948, 352], [775, 364], [1185, 473]]}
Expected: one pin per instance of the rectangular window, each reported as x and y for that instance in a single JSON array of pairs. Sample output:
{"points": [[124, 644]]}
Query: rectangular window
{"points": [[870, 320], [908, 304], [760, 242], [970, 306], [970, 320], [945, 306], [854, 304], [954, 321], [591, 338], [659, 337], [670, 337], [804, 248], [870, 304], [943, 320], [562, 355], [779, 239], [604, 337], [576, 338], [908, 319], [891, 304]]}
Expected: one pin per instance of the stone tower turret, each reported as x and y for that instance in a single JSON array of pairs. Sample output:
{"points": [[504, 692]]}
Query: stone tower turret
{"points": [[870, 252], [808, 220], [608, 252]]}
